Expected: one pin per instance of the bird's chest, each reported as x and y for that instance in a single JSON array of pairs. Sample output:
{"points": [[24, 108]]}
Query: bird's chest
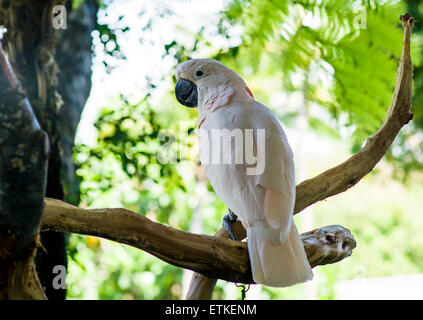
{"points": [[222, 141]]}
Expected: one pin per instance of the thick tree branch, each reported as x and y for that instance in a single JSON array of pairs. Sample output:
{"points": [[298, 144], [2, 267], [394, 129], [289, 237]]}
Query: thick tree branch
{"points": [[211, 256], [350, 172]]}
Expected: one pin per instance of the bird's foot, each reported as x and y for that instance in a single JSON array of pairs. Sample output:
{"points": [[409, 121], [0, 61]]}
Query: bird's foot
{"points": [[228, 220]]}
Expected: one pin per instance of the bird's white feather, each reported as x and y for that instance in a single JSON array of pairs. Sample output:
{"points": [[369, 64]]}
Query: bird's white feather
{"points": [[264, 202]]}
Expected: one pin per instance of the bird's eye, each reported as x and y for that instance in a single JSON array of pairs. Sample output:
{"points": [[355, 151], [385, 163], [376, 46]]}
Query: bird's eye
{"points": [[199, 73]]}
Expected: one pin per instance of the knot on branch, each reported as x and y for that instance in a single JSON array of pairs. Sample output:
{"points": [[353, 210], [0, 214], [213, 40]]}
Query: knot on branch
{"points": [[328, 244], [407, 20]]}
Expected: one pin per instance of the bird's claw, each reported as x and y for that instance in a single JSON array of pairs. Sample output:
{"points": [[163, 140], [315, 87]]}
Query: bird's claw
{"points": [[228, 220]]}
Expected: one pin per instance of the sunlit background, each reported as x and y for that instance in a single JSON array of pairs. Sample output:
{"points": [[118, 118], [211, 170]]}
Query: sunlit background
{"points": [[326, 69]]}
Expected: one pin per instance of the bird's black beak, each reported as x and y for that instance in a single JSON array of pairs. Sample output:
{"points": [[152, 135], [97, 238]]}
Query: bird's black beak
{"points": [[186, 93]]}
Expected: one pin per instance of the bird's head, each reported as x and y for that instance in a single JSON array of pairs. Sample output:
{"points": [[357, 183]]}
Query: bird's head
{"points": [[197, 79]]}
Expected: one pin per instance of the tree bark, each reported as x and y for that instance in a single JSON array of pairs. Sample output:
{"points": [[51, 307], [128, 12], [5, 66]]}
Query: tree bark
{"points": [[30, 44], [24, 149], [74, 58], [57, 97], [73, 55]]}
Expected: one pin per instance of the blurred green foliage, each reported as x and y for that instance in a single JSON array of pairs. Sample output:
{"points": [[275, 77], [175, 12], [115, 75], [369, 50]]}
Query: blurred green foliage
{"points": [[123, 170], [355, 43], [341, 58]]}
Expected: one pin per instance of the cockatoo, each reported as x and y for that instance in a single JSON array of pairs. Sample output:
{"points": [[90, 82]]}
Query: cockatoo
{"points": [[261, 197]]}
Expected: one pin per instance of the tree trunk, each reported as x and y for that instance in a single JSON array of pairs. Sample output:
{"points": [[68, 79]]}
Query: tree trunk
{"points": [[57, 82], [24, 149], [74, 59]]}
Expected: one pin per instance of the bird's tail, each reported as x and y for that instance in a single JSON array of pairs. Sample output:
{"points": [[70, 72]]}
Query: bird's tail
{"points": [[277, 264]]}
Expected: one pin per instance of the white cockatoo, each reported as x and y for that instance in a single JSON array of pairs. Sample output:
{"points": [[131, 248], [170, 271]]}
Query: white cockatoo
{"points": [[258, 188]]}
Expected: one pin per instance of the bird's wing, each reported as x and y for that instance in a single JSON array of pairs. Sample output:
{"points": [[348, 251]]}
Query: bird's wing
{"points": [[278, 177], [270, 193]]}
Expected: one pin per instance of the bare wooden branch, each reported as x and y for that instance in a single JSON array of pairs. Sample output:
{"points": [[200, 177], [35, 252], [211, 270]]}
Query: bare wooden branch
{"points": [[350, 172], [211, 256]]}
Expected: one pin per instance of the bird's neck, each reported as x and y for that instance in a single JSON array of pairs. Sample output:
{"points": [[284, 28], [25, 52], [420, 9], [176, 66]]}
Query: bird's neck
{"points": [[213, 99]]}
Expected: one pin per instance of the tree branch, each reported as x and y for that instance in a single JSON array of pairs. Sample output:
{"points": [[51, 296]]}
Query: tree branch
{"points": [[351, 171], [211, 256]]}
